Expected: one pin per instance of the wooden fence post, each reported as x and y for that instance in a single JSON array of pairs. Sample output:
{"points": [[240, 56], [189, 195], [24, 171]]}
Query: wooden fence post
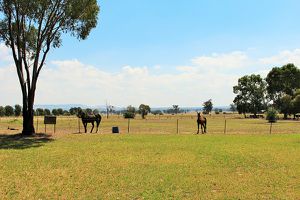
{"points": [[37, 124], [128, 125], [79, 125], [225, 127], [177, 126]]}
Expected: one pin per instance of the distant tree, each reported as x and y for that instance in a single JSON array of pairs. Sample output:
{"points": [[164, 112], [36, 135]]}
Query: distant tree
{"points": [[286, 105], [18, 110], [47, 112], [65, 113], [55, 112], [176, 109], [217, 110], [282, 81], [207, 106], [251, 94], [39, 112], [109, 109], [60, 111], [144, 110], [96, 111], [31, 28], [272, 114], [233, 107], [9, 111], [79, 110], [157, 112], [2, 111], [74, 110], [296, 105], [130, 112]]}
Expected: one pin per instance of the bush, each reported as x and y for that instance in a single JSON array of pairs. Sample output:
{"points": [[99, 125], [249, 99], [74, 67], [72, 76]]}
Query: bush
{"points": [[272, 114], [128, 115], [157, 112]]}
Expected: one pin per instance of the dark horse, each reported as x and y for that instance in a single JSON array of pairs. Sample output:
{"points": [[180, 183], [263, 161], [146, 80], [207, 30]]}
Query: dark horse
{"points": [[90, 119], [201, 120]]}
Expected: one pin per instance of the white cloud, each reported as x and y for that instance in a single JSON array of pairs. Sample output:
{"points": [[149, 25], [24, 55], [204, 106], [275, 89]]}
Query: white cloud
{"points": [[5, 55], [228, 61], [73, 82], [282, 58], [70, 81]]}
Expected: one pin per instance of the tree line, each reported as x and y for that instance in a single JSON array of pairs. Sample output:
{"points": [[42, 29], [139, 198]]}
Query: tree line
{"points": [[280, 90]]}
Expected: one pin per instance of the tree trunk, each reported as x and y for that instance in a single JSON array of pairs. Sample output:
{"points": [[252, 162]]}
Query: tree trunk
{"points": [[285, 116], [28, 127], [28, 114]]}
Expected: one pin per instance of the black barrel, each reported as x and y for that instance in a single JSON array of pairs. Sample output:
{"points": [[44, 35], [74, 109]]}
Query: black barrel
{"points": [[115, 129]]}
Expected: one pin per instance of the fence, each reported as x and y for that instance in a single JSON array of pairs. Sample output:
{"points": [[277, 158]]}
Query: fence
{"points": [[166, 124]]}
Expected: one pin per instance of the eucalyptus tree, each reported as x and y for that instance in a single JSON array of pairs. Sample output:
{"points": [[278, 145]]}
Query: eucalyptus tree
{"points": [[31, 28], [207, 106], [144, 110], [251, 94], [283, 81]]}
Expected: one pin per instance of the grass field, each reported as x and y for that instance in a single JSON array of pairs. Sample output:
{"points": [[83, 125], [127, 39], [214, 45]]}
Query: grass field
{"points": [[153, 164]]}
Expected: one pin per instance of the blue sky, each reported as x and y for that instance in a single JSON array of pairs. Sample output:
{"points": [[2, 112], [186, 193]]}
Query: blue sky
{"points": [[165, 52], [171, 32]]}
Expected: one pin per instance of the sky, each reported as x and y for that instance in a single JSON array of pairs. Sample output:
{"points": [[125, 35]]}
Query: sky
{"points": [[164, 52]]}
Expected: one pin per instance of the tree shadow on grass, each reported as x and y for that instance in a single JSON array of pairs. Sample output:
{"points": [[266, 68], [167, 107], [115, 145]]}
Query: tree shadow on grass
{"points": [[18, 141]]}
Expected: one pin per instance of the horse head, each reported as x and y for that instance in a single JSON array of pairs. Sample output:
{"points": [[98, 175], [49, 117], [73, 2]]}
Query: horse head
{"points": [[81, 114]]}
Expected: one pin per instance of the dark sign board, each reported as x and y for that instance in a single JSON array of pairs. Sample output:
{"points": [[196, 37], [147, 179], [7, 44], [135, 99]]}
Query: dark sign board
{"points": [[50, 119]]}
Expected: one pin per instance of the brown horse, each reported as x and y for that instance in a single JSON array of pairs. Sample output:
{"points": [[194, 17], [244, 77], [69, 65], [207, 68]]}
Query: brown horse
{"points": [[201, 120], [90, 119]]}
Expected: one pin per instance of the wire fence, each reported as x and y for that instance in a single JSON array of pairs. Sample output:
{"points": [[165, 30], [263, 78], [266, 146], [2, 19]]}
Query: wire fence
{"points": [[165, 124]]}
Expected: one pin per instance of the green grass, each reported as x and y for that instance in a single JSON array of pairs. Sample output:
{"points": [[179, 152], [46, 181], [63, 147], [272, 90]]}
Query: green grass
{"points": [[137, 166]]}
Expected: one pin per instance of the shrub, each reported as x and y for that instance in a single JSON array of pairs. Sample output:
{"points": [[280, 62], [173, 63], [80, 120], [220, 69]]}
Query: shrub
{"points": [[157, 112], [129, 115], [272, 114]]}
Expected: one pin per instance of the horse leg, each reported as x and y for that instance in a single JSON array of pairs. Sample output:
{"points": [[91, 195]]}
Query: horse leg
{"points": [[202, 128], [85, 124], [198, 127], [92, 126], [205, 125], [97, 123]]}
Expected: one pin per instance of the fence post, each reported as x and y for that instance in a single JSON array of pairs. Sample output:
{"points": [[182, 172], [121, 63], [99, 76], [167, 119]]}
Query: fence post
{"points": [[271, 127], [177, 127], [225, 127], [37, 124], [79, 125], [128, 125]]}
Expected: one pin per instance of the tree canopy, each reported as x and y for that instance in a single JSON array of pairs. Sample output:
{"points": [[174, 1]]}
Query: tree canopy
{"points": [[207, 106], [32, 28], [144, 110], [251, 94], [283, 81]]}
